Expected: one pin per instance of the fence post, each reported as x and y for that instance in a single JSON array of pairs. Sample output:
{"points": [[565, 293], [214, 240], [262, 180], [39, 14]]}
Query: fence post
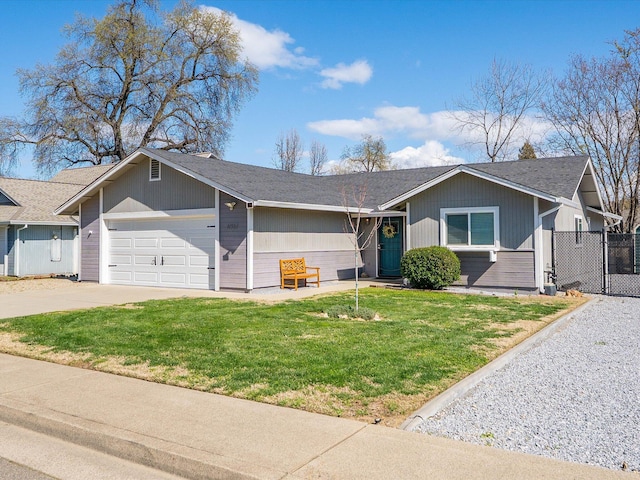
{"points": [[553, 257], [605, 262]]}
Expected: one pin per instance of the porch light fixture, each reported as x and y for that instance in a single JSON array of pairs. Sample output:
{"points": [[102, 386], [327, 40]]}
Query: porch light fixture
{"points": [[231, 205]]}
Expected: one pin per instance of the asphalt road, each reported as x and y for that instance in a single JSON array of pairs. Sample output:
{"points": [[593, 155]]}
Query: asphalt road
{"points": [[28, 455]]}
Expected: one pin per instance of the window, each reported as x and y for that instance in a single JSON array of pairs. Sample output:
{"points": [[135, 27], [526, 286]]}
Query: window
{"points": [[470, 228], [154, 170], [577, 219]]}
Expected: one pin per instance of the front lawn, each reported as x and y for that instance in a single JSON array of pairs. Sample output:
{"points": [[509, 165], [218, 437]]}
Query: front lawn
{"points": [[289, 353]]}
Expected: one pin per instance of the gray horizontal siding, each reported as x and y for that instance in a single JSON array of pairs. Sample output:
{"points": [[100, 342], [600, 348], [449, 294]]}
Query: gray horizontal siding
{"points": [[134, 192], [279, 229], [11, 248], [36, 244], [90, 242], [463, 190], [333, 265], [511, 270], [233, 243]]}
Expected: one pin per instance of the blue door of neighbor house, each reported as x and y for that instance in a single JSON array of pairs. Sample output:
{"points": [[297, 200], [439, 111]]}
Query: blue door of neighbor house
{"points": [[390, 244]]}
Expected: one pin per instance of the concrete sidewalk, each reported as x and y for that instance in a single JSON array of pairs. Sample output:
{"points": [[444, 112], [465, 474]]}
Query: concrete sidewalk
{"points": [[205, 436]]}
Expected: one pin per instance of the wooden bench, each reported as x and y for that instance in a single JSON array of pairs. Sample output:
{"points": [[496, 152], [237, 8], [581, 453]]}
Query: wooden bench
{"points": [[296, 269]]}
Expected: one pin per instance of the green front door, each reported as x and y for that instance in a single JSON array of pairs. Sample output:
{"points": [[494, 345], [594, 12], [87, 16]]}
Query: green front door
{"points": [[390, 243]]}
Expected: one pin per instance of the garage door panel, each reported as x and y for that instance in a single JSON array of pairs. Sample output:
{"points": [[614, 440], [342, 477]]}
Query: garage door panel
{"points": [[121, 277], [167, 242], [148, 278], [148, 260], [198, 280], [117, 243], [120, 260], [199, 260], [173, 278], [174, 260], [162, 252], [145, 243]]}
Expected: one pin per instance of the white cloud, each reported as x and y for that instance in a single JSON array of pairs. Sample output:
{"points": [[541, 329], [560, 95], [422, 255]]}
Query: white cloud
{"points": [[268, 49], [430, 154], [388, 120], [358, 72]]}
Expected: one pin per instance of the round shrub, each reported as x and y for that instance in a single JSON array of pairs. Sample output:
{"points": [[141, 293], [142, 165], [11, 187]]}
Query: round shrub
{"points": [[431, 267]]}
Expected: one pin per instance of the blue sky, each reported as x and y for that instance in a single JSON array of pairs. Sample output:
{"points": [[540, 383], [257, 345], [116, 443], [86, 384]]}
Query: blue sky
{"points": [[334, 70]]}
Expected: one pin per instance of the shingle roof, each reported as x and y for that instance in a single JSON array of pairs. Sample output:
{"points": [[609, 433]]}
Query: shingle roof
{"points": [[557, 177], [550, 177], [36, 201], [81, 175]]}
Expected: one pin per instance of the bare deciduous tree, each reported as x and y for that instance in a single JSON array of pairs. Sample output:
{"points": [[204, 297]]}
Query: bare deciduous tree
{"points": [[288, 151], [369, 155], [595, 109], [494, 111], [317, 157], [353, 200], [137, 77]]}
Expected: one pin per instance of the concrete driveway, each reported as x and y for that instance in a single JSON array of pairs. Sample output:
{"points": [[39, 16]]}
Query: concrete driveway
{"points": [[52, 295]]}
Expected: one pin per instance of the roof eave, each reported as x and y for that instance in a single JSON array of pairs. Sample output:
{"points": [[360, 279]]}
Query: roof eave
{"points": [[612, 216], [311, 206]]}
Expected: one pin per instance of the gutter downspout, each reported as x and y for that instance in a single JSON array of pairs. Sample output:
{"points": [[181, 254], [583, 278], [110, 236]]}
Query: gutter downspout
{"points": [[16, 258]]}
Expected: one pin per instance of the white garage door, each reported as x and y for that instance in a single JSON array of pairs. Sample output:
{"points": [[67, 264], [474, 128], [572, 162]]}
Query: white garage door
{"points": [[163, 253]]}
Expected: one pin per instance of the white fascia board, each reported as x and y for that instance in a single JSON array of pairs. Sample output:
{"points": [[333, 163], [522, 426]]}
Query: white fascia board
{"points": [[613, 216], [568, 203], [56, 223], [16, 203], [196, 176], [419, 189], [506, 183], [386, 213], [311, 206], [589, 165]]}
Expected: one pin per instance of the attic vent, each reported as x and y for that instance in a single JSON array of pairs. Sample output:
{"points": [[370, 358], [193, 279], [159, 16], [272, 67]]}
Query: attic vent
{"points": [[154, 170]]}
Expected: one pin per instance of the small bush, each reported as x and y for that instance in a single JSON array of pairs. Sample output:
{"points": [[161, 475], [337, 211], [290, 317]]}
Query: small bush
{"points": [[349, 311], [432, 267]]}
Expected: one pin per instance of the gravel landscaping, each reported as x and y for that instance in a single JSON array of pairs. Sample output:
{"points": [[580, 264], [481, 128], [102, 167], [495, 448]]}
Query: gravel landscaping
{"points": [[575, 396]]}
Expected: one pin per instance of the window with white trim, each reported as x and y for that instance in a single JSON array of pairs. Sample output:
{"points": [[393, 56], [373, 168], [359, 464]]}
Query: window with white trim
{"points": [[474, 228], [154, 170], [578, 224]]}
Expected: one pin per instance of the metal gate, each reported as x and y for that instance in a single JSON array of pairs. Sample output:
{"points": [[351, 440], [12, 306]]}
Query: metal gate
{"points": [[597, 262]]}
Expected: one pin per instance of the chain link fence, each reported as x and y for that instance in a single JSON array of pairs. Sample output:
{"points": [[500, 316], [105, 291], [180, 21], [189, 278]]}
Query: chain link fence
{"points": [[623, 266], [597, 262], [579, 261]]}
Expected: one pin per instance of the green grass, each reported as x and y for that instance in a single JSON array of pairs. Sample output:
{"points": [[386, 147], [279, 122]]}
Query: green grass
{"points": [[288, 353]]}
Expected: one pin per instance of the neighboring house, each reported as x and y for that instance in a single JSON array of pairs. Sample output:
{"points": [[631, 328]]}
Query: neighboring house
{"points": [[169, 219], [33, 240]]}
